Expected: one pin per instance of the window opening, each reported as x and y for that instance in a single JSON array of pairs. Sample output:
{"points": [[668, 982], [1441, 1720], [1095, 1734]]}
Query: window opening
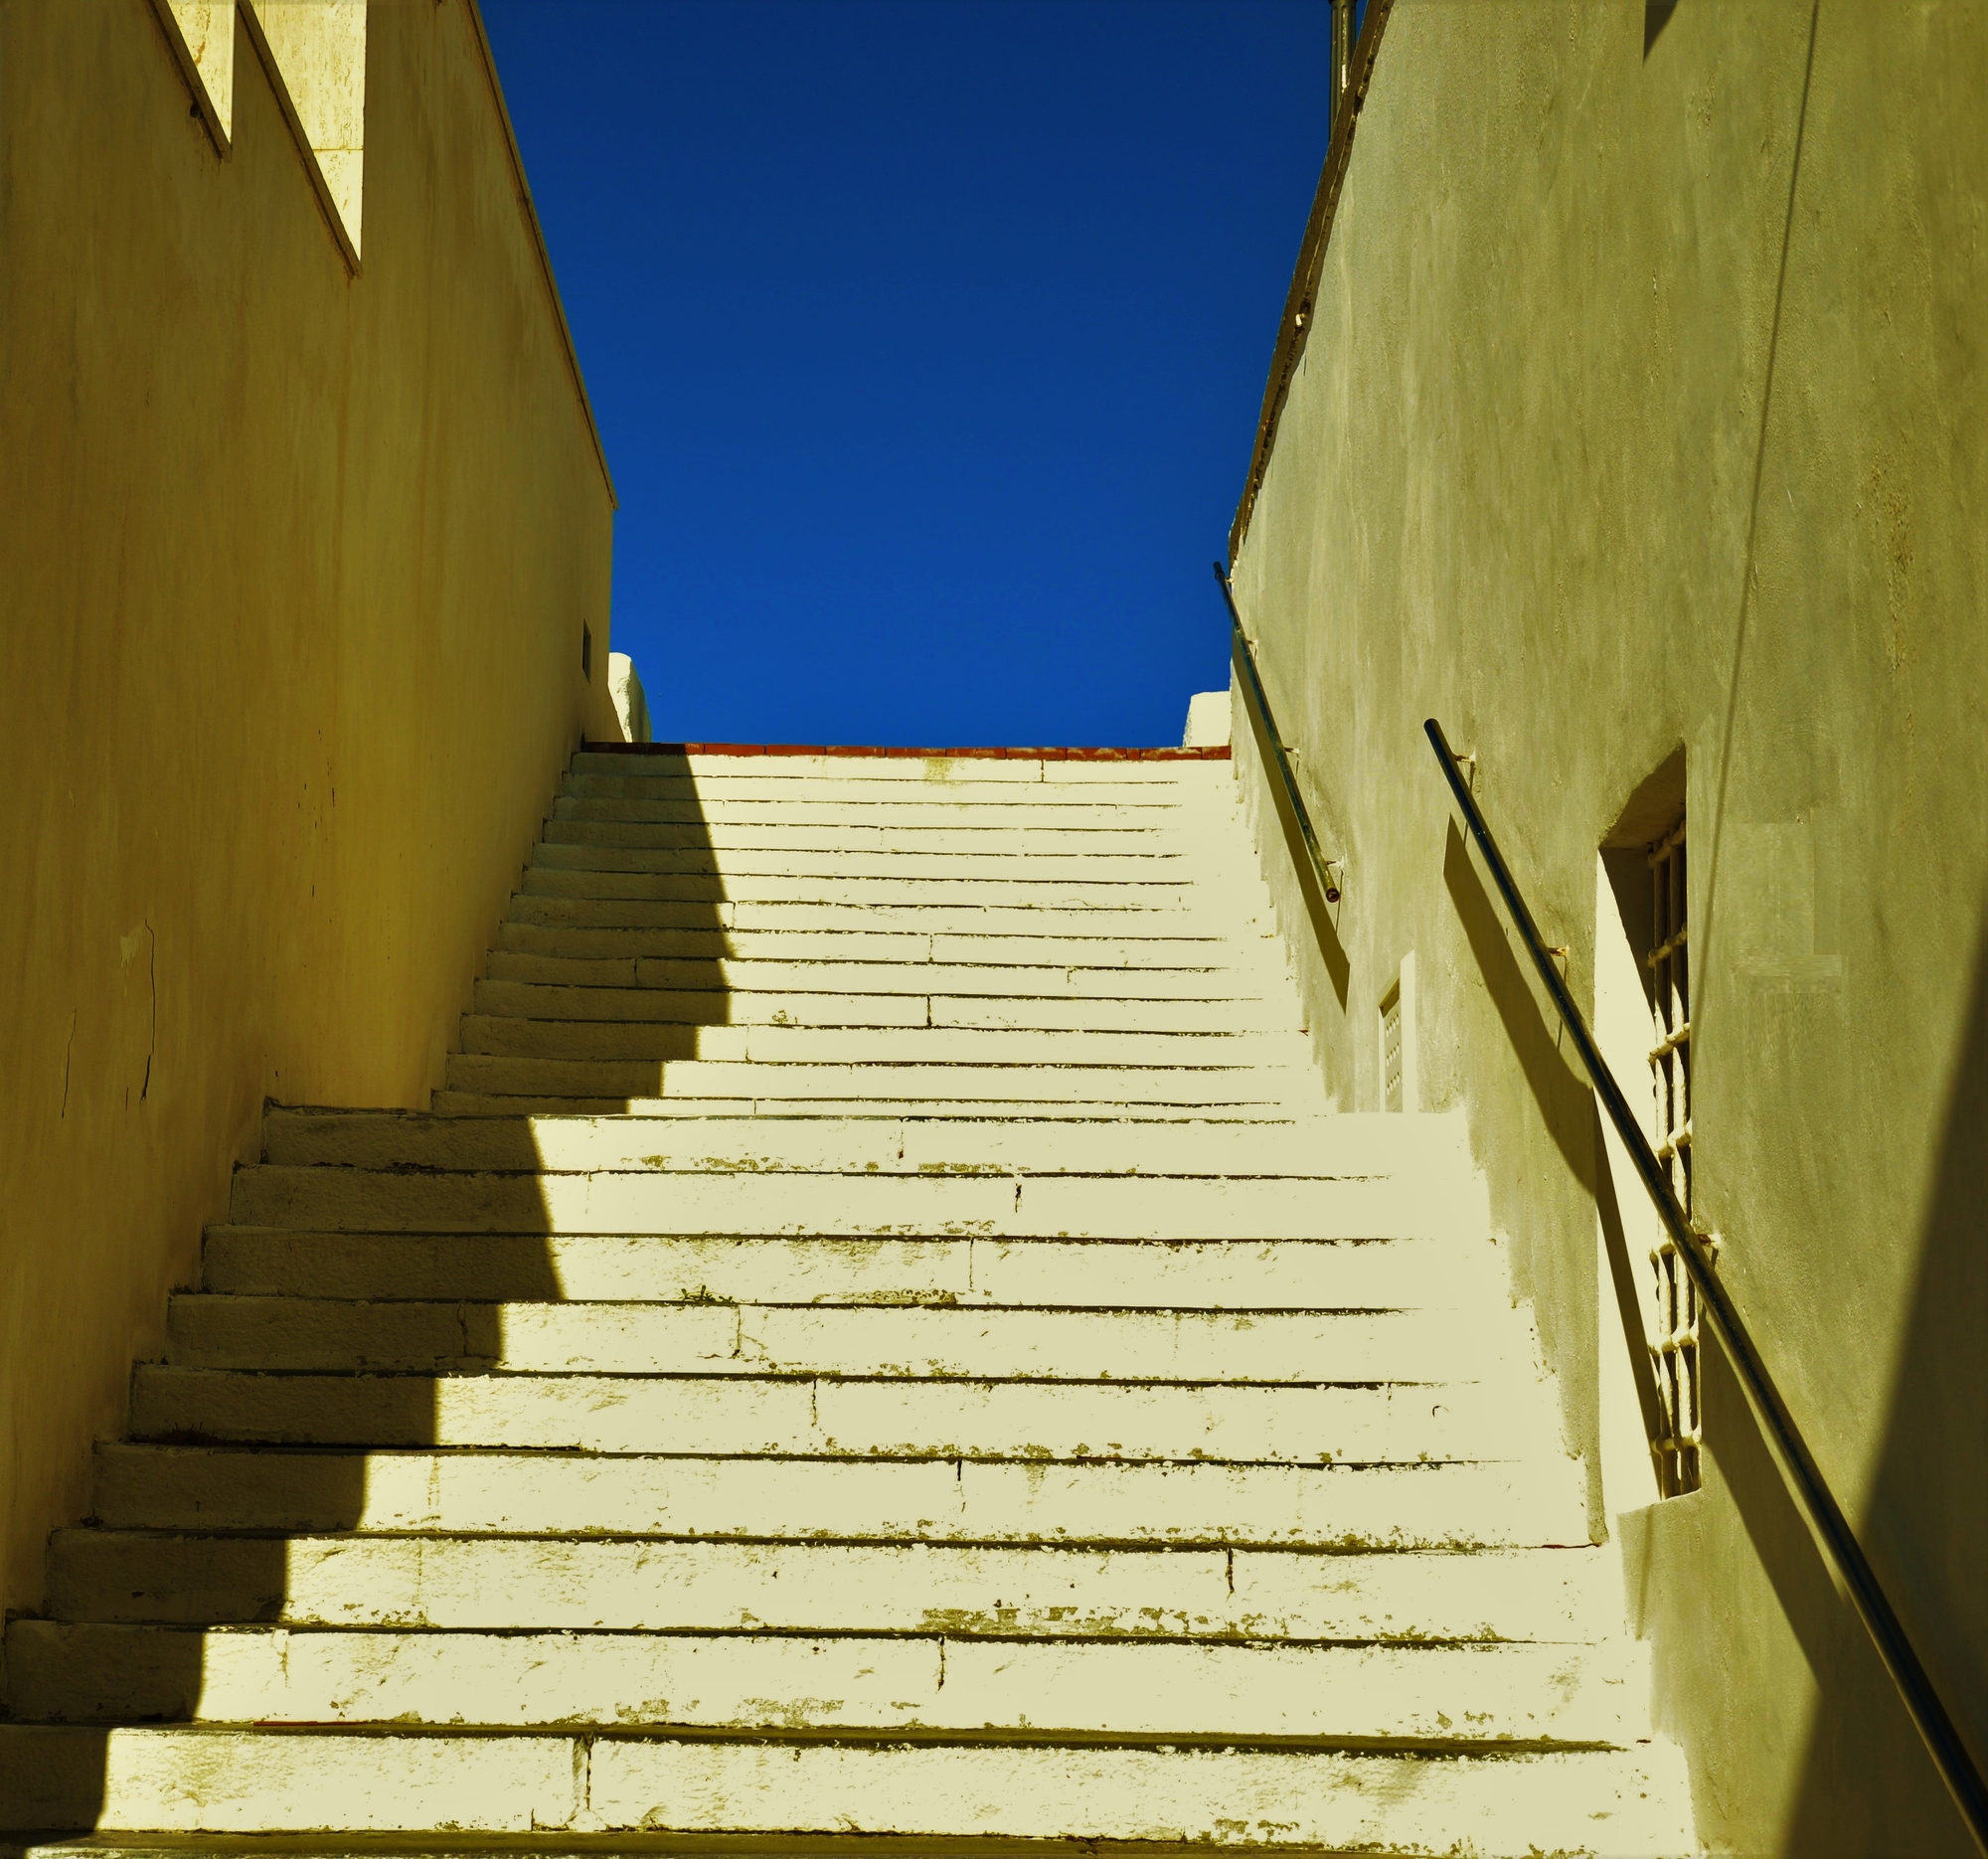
{"points": [[1390, 1049], [1674, 1341]]}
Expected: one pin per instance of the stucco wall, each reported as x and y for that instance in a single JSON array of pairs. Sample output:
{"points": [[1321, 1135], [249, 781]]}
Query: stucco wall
{"points": [[293, 567], [1645, 407]]}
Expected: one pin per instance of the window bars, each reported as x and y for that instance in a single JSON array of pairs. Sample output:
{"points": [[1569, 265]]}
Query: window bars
{"points": [[1674, 1341], [1392, 1094]]}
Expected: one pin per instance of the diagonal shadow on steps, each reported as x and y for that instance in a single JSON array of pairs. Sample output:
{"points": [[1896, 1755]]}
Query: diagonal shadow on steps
{"points": [[611, 959]]}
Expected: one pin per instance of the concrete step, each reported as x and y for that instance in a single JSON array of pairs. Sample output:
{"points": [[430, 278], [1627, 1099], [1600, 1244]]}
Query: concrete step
{"points": [[873, 1008], [1483, 1694], [1188, 918], [840, 785], [1112, 983], [918, 1044], [472, 1104], [737, 1414], [1161, 894], [1057, 863], [1362, 1146], [977, 1204], [1103, 833], [1222, 1274], [523, 1493], [1095, 947], [903, 1085], [549, 1581], [200, 1779], [974, 1343], [1046, 809]]}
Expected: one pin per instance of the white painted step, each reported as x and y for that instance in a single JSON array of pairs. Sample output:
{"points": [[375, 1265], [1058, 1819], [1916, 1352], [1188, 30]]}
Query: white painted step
{"points": [[1107, 835], [916, 1044], [1154, 893], [892, 1418], [907, 809], [1056, 865], [1218, 1275], [1475, 1694], [1323, 1147], [873, 1205], [549, 1581], [1093, 945], [774, 1108], [1109, 917], [510, 1492], [1220, 977], [1618, 1803], [880, 1007], [903, 1085], [973, 1343]]}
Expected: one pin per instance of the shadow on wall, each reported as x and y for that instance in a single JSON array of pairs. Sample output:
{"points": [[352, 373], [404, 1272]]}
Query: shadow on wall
{"points": [[1924, 1527], [255, 1461], [1319, 913], [1566, 1102]]}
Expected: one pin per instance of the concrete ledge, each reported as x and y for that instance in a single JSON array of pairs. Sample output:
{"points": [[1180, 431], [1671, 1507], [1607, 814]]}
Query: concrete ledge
{"points": [[1217, 753]]}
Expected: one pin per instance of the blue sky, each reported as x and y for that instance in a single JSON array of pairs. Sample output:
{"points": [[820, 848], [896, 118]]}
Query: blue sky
{"points": [[927, 339]]}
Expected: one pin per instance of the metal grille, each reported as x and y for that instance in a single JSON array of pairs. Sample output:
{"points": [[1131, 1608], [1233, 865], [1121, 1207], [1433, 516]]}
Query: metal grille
{"points": [[1674, 1341], [1390, 1049]]}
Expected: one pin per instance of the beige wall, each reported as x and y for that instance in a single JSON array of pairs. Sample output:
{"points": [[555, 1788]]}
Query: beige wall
{"points": [[1645, 407], [293, 567]]}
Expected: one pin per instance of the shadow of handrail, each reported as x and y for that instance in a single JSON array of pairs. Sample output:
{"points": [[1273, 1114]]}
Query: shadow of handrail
{"points": [[1798, 1464], [1324, 868]]}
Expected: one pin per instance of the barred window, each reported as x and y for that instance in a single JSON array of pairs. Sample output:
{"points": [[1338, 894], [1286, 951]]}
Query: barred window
{"points": [[1674, 1334]]}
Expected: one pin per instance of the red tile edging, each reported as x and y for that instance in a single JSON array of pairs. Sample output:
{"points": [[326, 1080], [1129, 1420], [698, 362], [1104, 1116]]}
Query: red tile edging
{"points": [[1219, 753]]}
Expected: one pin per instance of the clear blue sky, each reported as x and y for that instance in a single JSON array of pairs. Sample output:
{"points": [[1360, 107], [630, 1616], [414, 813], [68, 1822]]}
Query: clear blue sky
{"points": [[927, 339]]}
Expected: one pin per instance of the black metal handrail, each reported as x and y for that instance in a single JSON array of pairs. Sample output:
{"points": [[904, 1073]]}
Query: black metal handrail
{"points": [[1804, 1477], [1246, 670]]}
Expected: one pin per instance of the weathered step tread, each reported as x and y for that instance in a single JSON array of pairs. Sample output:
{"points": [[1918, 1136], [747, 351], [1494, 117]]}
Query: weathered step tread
{"points": [[1452, 1696], [563, 1580], [766, 1498], [735, 1415], [1620, 1804]]}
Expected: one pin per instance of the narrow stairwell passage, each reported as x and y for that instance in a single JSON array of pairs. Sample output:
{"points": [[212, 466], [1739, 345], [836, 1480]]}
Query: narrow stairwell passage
{"points": [[878, 1336]]}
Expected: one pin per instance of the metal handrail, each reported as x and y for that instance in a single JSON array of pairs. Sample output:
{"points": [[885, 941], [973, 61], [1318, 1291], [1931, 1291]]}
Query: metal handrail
{"points": [[1804, 1477], [1246, 669]]}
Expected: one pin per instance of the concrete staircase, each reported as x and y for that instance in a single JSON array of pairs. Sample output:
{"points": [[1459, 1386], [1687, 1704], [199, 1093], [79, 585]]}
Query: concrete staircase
{"points": [[877, 1337]]}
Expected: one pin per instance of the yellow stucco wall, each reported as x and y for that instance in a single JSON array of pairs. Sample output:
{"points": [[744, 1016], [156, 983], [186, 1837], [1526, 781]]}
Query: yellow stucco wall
{"points": [[293, 567], [1646, 406]]}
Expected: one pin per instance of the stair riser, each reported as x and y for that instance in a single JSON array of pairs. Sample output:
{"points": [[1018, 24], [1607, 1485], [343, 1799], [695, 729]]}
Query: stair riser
{"points": [[1057, 860], [952, 783], [564, 1582], [1467, 1695], [842, 1045], [285, 1333], [1133, 816], [181, 1488], [1394, 1275], [1228, 977], [1130, 1207], [1025, 834], [473, 1103], [701, 940], [931, 917], [219, 1781], [1323, 1147], [711, 1009], [1156, 895], [893, 1419]]}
